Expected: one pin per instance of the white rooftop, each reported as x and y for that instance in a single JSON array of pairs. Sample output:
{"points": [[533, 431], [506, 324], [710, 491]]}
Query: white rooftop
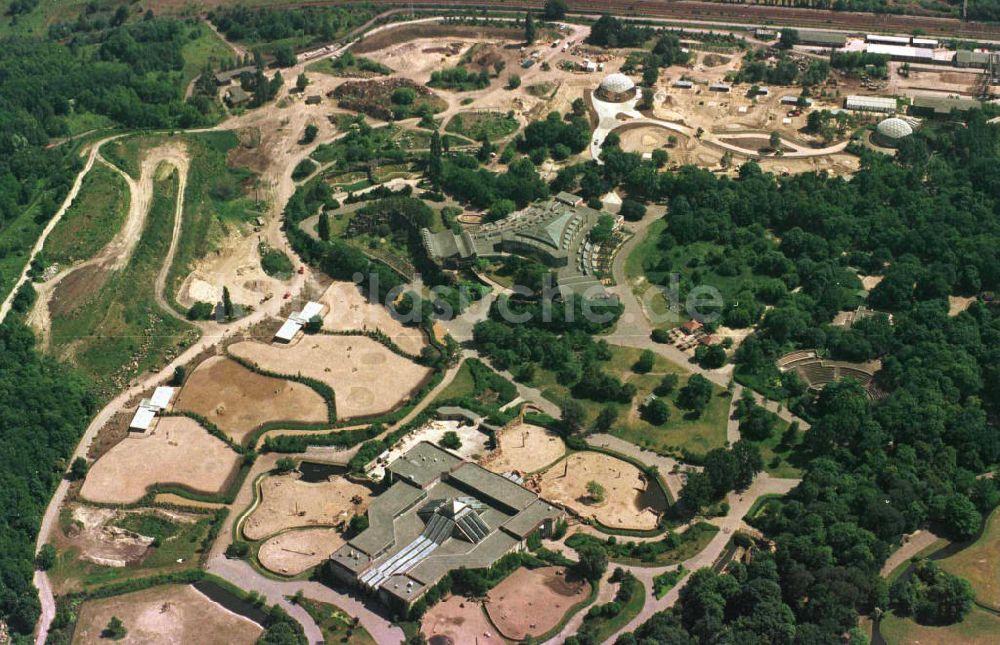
{"points": [[617, 83], [161, 397], [142, 419], [288, 330]]}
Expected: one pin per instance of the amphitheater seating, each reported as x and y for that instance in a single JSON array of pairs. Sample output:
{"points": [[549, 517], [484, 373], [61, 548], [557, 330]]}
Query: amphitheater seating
{"points": [[817, 372]]}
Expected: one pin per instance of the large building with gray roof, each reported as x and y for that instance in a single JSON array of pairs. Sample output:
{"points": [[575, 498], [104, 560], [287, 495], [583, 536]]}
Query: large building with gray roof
{"points": [[554, 232], [439, 513]]}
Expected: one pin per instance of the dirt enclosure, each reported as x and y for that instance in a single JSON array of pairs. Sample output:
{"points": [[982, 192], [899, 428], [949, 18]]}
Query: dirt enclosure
{"points": [[98, 541], [525, 448], [350, 310], [530, 602], [644, 138], [293, 552], [366, 376], [168, 615], [178, 451], [288, 502], [624, 504], [458, 621], [238, 400]]}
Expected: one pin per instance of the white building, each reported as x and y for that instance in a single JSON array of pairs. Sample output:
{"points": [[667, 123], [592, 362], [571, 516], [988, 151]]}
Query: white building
{"points": [[297, 320], [884, 104], [142, 420]]}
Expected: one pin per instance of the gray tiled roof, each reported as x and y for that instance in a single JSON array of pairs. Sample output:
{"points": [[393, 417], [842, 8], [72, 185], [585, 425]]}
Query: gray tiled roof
{"points": [[424, 463]]}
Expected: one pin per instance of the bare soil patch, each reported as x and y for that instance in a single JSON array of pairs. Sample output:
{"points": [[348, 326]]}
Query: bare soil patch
{"points": [[288, 502], [366, 376], [173, 614], [530, 602], [624, 484], [958, 304], [350, 310], [389, 37], [76, 288], [178, 451], [238, 400], [644, 138], [293, 552], [457, 621], [525, 448], [92, 534]]}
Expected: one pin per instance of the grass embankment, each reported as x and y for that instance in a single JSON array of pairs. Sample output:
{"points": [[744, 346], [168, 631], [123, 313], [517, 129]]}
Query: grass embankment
{"points": [[177, 548], [629, 600], [980, 627], [673, 549], [337, 626], [117, 331], [979, 564], [95, 216], [216, 198], [680, 432]]}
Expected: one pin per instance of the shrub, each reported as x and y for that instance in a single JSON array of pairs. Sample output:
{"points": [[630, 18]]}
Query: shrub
{"points": [[451, 440], [660, 336], [200, 311]]}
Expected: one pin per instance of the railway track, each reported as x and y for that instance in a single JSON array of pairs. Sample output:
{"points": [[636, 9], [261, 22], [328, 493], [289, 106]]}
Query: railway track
{"points": [[737, 14]]}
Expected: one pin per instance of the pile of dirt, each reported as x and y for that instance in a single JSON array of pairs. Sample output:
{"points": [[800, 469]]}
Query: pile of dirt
{"points": [[374, 97]]}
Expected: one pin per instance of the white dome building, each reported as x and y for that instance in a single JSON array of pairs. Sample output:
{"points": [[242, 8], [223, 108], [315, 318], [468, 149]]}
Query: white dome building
{"points": [[616, 88], [891, 130]]}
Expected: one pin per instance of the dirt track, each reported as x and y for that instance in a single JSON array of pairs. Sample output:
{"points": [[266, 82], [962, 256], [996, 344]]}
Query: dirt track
{"points": [[116, 254]]}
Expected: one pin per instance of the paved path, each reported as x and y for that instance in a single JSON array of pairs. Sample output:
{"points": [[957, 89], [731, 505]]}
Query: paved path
{"points": [[739, 504], [915, 543]]}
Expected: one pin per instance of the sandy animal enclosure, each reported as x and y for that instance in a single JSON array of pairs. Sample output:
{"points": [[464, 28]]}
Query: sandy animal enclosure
{"points": [[168, 615], [525, 448], [178, 451], [530, 602], [644, 138], [349, 310], [457, 621], [238, 400], [287, 502], [566, 483], [293, 552], [366, 377]]}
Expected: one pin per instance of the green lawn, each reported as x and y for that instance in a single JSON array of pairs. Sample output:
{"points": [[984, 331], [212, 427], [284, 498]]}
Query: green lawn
{"points": [[462, 385], [117, 331], [781, 459], [337, 626], [477, 125], [979, 628], [642, 259], [95, 216], [203, 48], [696, 435], [603, 627], [979, 564]]}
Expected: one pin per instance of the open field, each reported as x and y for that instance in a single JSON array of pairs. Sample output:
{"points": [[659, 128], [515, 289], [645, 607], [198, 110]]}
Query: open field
{"points": [[177, 451], [457, 621], [628, 503], [645, 138], [525, 448], [105, 322], [679, 432], [979, 564], [238, 400], [350, 310], [288, 502], [171, 615], [292, 552], [530, 602], [92, 220], [979, 628], [354, 366]]}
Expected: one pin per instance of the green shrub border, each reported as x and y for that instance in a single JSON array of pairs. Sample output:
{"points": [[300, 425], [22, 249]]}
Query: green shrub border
{"points": [[321, 388]]}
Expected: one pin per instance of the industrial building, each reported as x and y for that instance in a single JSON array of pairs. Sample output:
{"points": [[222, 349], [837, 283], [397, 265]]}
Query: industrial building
{"points": [[905, 53], [967, 58], [826, 39], [884, 104], [554, 232], [440, 513], [941, 105]]}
